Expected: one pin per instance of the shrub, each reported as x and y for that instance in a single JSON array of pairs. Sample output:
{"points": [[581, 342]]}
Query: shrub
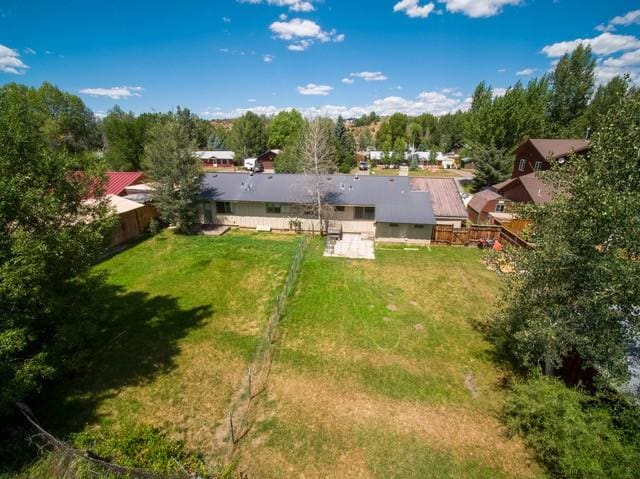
{"points": [[573, 436]]}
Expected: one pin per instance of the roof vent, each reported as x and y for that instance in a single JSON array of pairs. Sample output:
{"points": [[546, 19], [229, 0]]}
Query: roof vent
{"points": [[342, 186], [215, 175], [270, 177], [350, 187], [391, 180], [356, 178]]}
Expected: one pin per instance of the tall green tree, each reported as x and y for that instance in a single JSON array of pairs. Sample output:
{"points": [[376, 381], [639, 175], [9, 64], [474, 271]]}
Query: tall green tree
{"points": [[50, 238], [575, 295], [248, 136], [393, 128], [285, 129], [345, 147], [66, 122], [493, 165], [607, 96], [573, 81], [125, 137], [175, 173]]}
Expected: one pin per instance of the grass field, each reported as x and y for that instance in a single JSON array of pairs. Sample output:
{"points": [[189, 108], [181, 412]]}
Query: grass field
{"points": [[185, 314], [379, 373]]}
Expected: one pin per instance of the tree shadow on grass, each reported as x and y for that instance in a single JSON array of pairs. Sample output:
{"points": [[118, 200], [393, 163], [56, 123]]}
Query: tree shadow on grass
{"points": [[134, 339]]}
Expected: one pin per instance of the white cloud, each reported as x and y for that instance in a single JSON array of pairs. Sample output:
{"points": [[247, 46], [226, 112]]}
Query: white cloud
{"points": [[426, 102], [293, 5], [496, 92], [347, 81], [478, 8], [116, 92], [30, 51], [313, 89], [628, 63], [526, 72], [604, 44], [226, 19], [452, 91], [502, 70], [413, 9], [268, 58], [252, 100], [631, 18], [303, 33], [10, 61], [369, 76]]}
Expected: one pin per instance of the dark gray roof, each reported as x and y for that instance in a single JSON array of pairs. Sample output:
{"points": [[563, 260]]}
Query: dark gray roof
{"points": [[392, 197]]}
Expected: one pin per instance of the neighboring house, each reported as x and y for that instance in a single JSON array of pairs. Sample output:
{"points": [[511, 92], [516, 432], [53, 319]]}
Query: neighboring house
{"points": [[268, 160], [133, 218], [216, 159], [118, 181], [142, 193], [525, 185], [384, 207], [446, 201], [376, 155], [539, 154], [484, 203]]}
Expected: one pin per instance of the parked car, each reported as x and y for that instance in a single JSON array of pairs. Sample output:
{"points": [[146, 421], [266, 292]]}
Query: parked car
{"points": [[363, 166]]}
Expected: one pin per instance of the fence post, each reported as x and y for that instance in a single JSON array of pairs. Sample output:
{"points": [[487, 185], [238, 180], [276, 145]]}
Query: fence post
{"points": [[233, 439], [250, 383]]}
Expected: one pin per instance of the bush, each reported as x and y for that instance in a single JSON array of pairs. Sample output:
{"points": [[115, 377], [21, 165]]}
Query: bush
{"points": [[572, 435]]}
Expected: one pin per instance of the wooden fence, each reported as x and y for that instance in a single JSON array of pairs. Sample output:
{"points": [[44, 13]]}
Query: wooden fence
{"points": [[448, 235]]}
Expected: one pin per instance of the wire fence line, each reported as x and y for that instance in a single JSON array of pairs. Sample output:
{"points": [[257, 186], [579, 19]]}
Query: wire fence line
{"points": [[238, 421], [72, 462]]}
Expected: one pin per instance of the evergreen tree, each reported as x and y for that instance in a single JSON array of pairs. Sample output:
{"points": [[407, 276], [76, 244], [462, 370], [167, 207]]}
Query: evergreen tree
{"points": [[175, 173], [493, 165], [345, 147]]}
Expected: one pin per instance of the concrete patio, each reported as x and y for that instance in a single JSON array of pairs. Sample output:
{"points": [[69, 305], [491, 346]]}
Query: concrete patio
{"points": [[354, 246]]}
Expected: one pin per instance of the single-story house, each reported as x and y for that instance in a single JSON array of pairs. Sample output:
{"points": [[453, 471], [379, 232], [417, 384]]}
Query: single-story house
{"points": [[384, 207], [539, 154], [485, 202], [216, 158], [446, 200], [268, 160], [118, 181]]}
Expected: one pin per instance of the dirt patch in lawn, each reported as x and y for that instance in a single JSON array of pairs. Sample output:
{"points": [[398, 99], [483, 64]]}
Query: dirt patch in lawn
{"points": [[466, 432]]}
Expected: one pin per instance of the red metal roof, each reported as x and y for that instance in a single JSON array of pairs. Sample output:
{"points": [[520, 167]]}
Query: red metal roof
{"points": [[117, 181]]}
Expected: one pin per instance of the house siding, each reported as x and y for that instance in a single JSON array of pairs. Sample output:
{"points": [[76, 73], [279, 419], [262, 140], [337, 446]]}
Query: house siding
{"points": [[528, 153], [403, 233]]}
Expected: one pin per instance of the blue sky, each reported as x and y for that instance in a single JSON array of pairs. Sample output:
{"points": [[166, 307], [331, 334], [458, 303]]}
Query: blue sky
{"points": [[221, 57]]}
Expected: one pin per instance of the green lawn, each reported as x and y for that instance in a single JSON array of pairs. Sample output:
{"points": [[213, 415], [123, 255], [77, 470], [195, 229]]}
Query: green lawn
{"points": [[379, 373], [182, 317]]}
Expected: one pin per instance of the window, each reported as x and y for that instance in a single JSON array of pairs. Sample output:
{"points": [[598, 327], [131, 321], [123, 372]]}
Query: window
{"points": [[537, 166], [500, 207], [522, 164], [340, 208], [274, 208], [393, 225], [418, 226], [277, 209], [224, 208], [365, 212]]}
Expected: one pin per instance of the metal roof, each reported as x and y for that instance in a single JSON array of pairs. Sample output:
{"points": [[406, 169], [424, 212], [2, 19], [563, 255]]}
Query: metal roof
{"points": [[117, 181], [392, 197], [445, 196], [211, 155]]}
